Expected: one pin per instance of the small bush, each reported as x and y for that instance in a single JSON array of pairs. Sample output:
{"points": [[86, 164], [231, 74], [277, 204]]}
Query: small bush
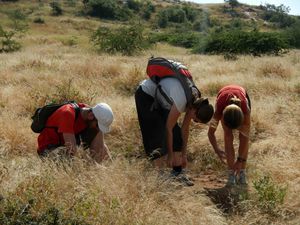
{"points": [[107, 10], [125, 40], [181, 38], [71, 41], [184, 39], [270, 195], [16, 212], [9, 36], [56, 8], [39, 20], [293, 35], [135, 5]]}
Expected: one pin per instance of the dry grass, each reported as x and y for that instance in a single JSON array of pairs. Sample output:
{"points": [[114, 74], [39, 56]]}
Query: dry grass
{"points": [[127, 191]]}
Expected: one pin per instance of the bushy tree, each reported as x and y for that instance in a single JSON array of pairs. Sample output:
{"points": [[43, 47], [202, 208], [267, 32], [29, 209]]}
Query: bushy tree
{"points": [[162, 19], [125, 40], [232, 3], [278, 14], [190, 12], [135, 5], [111, 9], [102, 8], [56, 8], [9, 35], [242, 42], [293, 35], [147, 10]]}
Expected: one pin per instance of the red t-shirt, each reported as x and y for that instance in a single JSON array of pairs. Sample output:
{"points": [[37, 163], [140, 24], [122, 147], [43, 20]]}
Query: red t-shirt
{"points": [[64, 120], [228, 92]]}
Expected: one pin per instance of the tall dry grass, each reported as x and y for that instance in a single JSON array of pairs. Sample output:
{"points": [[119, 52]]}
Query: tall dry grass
{"points": [[127, 190]]}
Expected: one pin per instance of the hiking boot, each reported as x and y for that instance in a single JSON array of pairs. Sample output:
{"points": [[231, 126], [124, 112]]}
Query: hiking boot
{"points": [[181, 177], [184, 179], [231, 179], [242, 178], [155, 154]]}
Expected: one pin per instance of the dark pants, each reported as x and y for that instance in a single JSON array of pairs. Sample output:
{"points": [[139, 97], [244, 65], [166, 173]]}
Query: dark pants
{"points": [[153, 124]]}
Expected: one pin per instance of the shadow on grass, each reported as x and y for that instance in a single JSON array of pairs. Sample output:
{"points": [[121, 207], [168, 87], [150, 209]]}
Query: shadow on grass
{"points": [[227, 198]]}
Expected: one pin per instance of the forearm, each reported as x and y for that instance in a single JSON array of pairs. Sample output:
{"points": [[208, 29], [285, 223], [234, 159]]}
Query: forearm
{"points": [[244, 146], [212, 139], [70, 143]]}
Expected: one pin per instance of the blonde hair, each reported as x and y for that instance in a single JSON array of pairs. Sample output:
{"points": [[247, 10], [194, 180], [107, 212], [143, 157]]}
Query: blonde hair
{"points": [[233, 116], [235, 100]]}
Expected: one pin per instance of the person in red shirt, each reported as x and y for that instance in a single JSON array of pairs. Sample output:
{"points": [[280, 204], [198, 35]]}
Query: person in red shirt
{"points": [[64, 128], [233, 108]]}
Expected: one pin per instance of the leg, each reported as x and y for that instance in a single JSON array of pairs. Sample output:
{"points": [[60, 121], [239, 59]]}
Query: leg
{"points": [[151, 123]]}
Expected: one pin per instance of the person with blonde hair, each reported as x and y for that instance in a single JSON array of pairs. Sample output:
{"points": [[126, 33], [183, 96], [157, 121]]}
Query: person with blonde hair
{"points": [[233, 108]]}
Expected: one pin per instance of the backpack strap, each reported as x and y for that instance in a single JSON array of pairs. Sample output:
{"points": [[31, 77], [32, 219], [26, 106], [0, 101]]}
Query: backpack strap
{"points": [[76, 108], [166, 97]]}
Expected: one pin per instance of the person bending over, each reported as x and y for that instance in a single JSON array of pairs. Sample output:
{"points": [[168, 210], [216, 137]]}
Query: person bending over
{"points": [[66, 128], [233, 108], [158, 114]]}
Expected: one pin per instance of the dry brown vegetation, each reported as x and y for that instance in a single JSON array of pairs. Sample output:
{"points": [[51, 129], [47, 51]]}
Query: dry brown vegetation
{"points": [[127, 190]]}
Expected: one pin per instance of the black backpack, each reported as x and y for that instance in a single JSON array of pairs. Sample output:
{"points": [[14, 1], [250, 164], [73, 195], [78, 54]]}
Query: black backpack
{"points": [[41, 115], [159, 68]]}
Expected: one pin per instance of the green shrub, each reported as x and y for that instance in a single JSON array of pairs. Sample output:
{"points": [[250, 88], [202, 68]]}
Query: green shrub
{"points": [[270, 195], [125, 40], [181, 38], [19, 213], [56, 8], [9, 36], [147, 10], [107, 9], [278, 14], [135, 5], [184, 39], [241, 42], [190, 12], [293, 35], [162, 20], [39, 20]]}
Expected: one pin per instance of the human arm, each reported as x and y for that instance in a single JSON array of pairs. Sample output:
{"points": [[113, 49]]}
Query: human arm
{"points": [[185, 134], [171, 121], [98, 148], [212, 138], [70, 143]]}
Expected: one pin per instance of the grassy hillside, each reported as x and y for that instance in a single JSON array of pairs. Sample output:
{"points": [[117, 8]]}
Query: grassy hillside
{"points": [[58, 62]]}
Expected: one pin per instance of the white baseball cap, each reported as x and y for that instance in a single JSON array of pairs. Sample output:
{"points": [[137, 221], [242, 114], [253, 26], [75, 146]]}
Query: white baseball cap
{"points": [[104, 116]]}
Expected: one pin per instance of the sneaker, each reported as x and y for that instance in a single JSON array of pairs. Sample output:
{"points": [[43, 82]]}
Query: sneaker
{"points": [[155, 154], [184, 179], [242, 178], [231, 179]]}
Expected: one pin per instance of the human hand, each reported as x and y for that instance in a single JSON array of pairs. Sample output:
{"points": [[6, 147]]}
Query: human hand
{"points": [[222, 155], [237, 167], [170, 160]]}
